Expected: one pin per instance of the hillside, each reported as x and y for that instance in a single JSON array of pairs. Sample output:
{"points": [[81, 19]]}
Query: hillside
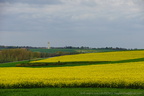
{"points": [[104, 56]]}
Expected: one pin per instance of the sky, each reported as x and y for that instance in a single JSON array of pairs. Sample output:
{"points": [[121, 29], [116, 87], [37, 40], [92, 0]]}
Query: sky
{"points": [[92, 23]]}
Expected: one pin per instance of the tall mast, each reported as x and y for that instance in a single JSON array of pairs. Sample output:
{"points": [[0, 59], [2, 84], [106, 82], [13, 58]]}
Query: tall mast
{"points": [[48, 45]]}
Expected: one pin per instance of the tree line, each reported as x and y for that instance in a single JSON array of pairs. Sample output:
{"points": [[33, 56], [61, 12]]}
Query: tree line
{"points": [[9, 55], [66, 47]]}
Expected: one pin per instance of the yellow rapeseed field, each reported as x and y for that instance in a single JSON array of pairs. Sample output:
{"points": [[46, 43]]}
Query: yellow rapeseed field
{"points": [[106, 56], [129, 75], [119, 75]]}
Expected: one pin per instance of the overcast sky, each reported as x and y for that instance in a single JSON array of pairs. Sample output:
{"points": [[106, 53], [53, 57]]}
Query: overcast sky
{"points": [[93, 23]]}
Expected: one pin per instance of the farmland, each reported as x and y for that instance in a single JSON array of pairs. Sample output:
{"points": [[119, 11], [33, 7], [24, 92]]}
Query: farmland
{"points": [[105, 56], [81, 75], [71, 92], [126, 74], [72, 50]]}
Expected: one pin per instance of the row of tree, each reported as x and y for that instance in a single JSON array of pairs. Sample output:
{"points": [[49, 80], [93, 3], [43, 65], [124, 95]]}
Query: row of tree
{"points": [[9, 55], [14, 47], [66, 47]]}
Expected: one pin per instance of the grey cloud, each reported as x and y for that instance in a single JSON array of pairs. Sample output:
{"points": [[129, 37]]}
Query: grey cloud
{"points": [[78, 22], [140, 4], [32, 1]]}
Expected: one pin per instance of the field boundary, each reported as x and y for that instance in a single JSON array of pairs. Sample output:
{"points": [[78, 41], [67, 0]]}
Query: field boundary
{"points": [[75, 63]]}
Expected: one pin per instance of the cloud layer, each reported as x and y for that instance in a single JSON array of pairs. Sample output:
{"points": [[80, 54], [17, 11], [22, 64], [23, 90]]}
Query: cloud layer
{"points": [[63, 20]]}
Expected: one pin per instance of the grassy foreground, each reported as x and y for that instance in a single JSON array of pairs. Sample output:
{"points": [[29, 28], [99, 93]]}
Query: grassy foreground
{"points": [[72, 92]]}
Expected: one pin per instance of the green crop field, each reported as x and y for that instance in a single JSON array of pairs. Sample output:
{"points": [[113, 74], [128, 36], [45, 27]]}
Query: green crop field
{"points": [[73, 50], [52, 50], [72, 92]]}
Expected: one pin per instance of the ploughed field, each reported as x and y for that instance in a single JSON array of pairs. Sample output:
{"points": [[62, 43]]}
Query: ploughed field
{"points": [[125, 69]]}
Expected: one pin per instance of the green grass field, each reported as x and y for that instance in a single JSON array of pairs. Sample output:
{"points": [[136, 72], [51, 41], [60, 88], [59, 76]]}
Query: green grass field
{"points": [[72, 50], [52, 50], [72, 92], [13, 64]]}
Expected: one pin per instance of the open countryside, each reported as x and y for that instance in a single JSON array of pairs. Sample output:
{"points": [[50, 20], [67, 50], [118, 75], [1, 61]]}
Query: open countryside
{"points": [[71, 48], [120, 69]]}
